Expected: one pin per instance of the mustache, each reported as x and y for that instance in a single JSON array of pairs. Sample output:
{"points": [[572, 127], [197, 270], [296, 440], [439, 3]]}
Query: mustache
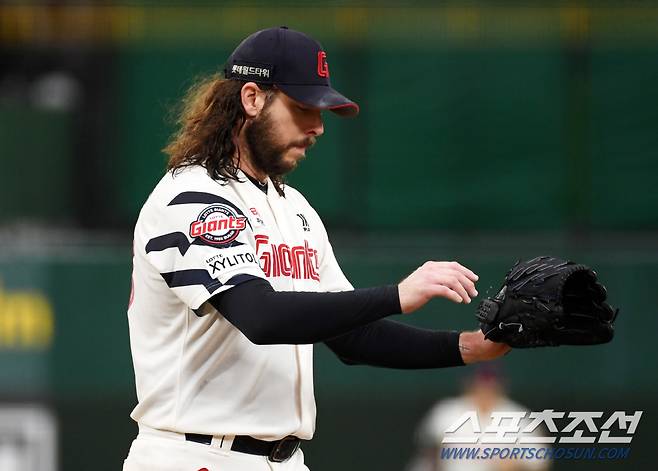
{"points": [[306, 142]]}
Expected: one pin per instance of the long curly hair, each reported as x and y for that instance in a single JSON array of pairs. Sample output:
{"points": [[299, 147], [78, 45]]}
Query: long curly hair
{"points": [[210, 117]]}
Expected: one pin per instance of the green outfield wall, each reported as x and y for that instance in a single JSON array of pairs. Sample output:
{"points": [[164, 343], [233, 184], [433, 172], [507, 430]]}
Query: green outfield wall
{"points": [[472, 117]]}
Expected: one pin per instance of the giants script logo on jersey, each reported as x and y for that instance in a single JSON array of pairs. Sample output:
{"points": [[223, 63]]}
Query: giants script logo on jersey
{"points": [[218, 224], [300, 261]]}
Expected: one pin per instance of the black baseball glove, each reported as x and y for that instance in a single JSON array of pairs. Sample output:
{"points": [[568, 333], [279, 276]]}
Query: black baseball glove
{"points": [[548, 302]]}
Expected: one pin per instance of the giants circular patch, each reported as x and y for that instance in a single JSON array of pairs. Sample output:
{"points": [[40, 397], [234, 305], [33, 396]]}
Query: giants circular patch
{"points": [[218, 224]]}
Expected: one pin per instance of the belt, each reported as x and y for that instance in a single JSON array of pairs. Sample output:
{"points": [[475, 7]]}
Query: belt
{"points": [[277, 451]]}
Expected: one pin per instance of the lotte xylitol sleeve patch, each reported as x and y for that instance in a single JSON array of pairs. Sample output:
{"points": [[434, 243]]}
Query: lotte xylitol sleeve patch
{"points": [[203, 245]]}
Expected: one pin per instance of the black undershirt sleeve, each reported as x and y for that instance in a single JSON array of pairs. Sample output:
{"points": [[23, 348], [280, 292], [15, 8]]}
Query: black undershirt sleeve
{"points": [[391, 344], [266, 316], [349, 322]]}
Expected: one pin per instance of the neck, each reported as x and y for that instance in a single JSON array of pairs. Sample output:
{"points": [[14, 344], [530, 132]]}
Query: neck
{"points": [[249, 169], [246, 165]]}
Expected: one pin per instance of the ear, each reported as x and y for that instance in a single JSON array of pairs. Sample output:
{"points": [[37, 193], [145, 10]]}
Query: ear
{"points": [[253, 99]]}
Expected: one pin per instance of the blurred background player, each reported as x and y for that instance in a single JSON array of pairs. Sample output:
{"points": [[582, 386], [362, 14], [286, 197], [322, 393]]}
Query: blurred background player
{"points": [[484, 392]]}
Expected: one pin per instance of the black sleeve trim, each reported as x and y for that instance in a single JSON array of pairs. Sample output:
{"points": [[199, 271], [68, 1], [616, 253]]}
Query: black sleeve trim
{"points": [[176, 279], [199, 197], [241, 278], [180, 241], [391, 344], [266, 316], [169, 241]]}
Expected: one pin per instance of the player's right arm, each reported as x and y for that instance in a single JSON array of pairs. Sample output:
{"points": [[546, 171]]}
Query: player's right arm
{"points": [[267, 316], [352, 322]]}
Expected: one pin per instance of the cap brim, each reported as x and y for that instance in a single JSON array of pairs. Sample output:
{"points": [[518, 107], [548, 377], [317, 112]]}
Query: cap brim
{"points": [[321, 96]]}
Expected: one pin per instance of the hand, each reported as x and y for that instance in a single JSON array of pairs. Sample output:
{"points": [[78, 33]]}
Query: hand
{"points": [[437, 279], [474, 347]]}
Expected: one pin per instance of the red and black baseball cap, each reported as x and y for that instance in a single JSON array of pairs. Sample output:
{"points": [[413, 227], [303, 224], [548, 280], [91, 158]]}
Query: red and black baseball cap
{"points": [[292, 61]]}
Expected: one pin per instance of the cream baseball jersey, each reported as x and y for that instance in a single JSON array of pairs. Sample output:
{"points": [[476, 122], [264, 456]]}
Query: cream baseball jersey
{"points": [[194, 371]]}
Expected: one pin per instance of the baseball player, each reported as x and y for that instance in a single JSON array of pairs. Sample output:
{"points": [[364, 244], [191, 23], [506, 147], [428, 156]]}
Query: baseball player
{"points": [[484, 393], [234, 277]]}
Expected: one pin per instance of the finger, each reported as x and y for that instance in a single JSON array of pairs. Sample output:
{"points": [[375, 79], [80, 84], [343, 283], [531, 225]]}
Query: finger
{"points": [[453, 283], [450, 268], [445, 292], [468, 285], [468, 273]]}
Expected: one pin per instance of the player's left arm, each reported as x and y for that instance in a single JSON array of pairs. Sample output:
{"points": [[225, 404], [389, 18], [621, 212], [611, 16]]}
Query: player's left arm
{"points": [[389, 344]]}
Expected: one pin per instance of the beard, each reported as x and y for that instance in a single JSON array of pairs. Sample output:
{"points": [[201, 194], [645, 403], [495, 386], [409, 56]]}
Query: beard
{"points": [[266, 153]]}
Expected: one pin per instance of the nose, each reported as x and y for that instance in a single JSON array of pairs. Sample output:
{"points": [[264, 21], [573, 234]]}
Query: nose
{"points": [[316, 126]]}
